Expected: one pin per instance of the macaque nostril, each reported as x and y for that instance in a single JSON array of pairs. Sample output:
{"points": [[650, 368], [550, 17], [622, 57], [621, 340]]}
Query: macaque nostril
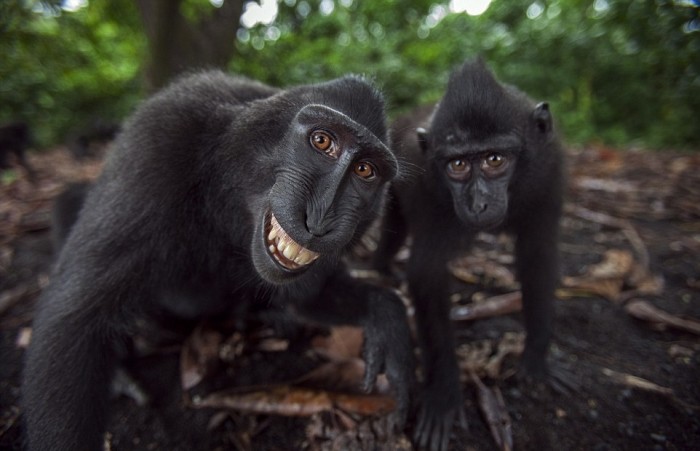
{"points": [[317, 227], [314, 228], [478, 207]]}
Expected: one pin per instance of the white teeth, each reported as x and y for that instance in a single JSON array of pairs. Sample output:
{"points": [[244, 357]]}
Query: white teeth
{"points": [[292, 251], [288, 251], [282, 245], [305, 257]]}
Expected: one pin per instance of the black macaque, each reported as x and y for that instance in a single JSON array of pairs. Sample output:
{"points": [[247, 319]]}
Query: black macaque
{"points": [[15, 137], [487, 158], [219, 191], [64, 212]]}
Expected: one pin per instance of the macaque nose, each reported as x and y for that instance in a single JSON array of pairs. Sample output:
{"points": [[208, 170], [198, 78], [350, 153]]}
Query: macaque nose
{"points": [[479, 207], [316, 228]]}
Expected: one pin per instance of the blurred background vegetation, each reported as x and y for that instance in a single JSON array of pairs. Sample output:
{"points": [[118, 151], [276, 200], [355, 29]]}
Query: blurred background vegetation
{"points": [[616, 72]]}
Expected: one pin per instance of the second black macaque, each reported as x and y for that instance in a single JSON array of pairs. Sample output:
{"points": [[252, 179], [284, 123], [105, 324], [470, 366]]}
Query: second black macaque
{"points": [[220, 191], [486, 158]]}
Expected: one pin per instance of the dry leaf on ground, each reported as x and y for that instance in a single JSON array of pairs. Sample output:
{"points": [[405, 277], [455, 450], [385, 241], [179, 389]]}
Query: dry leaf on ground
{"points": [[198, 355], [485, 357], [475, 269], [617, 277], [344, 342]]}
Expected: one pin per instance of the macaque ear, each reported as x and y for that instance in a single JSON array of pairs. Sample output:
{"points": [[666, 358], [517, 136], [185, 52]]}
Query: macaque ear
{"points": [[542, 118], [422, 135]]}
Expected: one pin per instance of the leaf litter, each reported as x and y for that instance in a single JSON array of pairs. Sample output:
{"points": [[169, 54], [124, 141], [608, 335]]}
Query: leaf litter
{"points": [[610, 195]]}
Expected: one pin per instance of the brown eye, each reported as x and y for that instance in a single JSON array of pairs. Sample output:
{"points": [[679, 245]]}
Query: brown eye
{"points": [[458, 169], [364, 170], [458, 165], [322, 141], [495, 160]]}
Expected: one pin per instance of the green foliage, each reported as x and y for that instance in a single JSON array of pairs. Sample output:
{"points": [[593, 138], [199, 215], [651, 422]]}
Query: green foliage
{"points": [[196, 10], [61, 71], [615, 71]]}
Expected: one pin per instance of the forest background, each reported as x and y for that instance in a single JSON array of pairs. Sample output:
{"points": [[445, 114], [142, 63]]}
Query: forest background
{"points": [[623, 73]]}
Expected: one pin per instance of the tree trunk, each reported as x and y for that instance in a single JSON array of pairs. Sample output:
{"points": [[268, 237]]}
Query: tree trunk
{"points": [[177, 44]]}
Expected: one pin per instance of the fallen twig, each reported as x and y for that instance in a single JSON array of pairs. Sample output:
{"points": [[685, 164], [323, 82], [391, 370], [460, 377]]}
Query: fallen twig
{"points": [[493, 306], [288, 400], [494, 409], [637, 382], [644, 310]]}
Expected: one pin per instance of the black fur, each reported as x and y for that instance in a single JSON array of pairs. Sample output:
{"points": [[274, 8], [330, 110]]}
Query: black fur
{"points": [[64, 212], [477, 119], [176, 223]]}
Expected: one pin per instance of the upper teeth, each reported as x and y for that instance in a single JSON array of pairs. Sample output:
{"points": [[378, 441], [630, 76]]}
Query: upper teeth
{"points": [[281, 244]]}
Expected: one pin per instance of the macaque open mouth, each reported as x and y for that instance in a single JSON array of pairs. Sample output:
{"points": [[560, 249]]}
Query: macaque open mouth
{"points": [[287, 252]]}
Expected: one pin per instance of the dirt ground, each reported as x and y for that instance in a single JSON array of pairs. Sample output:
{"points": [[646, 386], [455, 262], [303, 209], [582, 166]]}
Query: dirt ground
{"points": [[627, 331]]}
